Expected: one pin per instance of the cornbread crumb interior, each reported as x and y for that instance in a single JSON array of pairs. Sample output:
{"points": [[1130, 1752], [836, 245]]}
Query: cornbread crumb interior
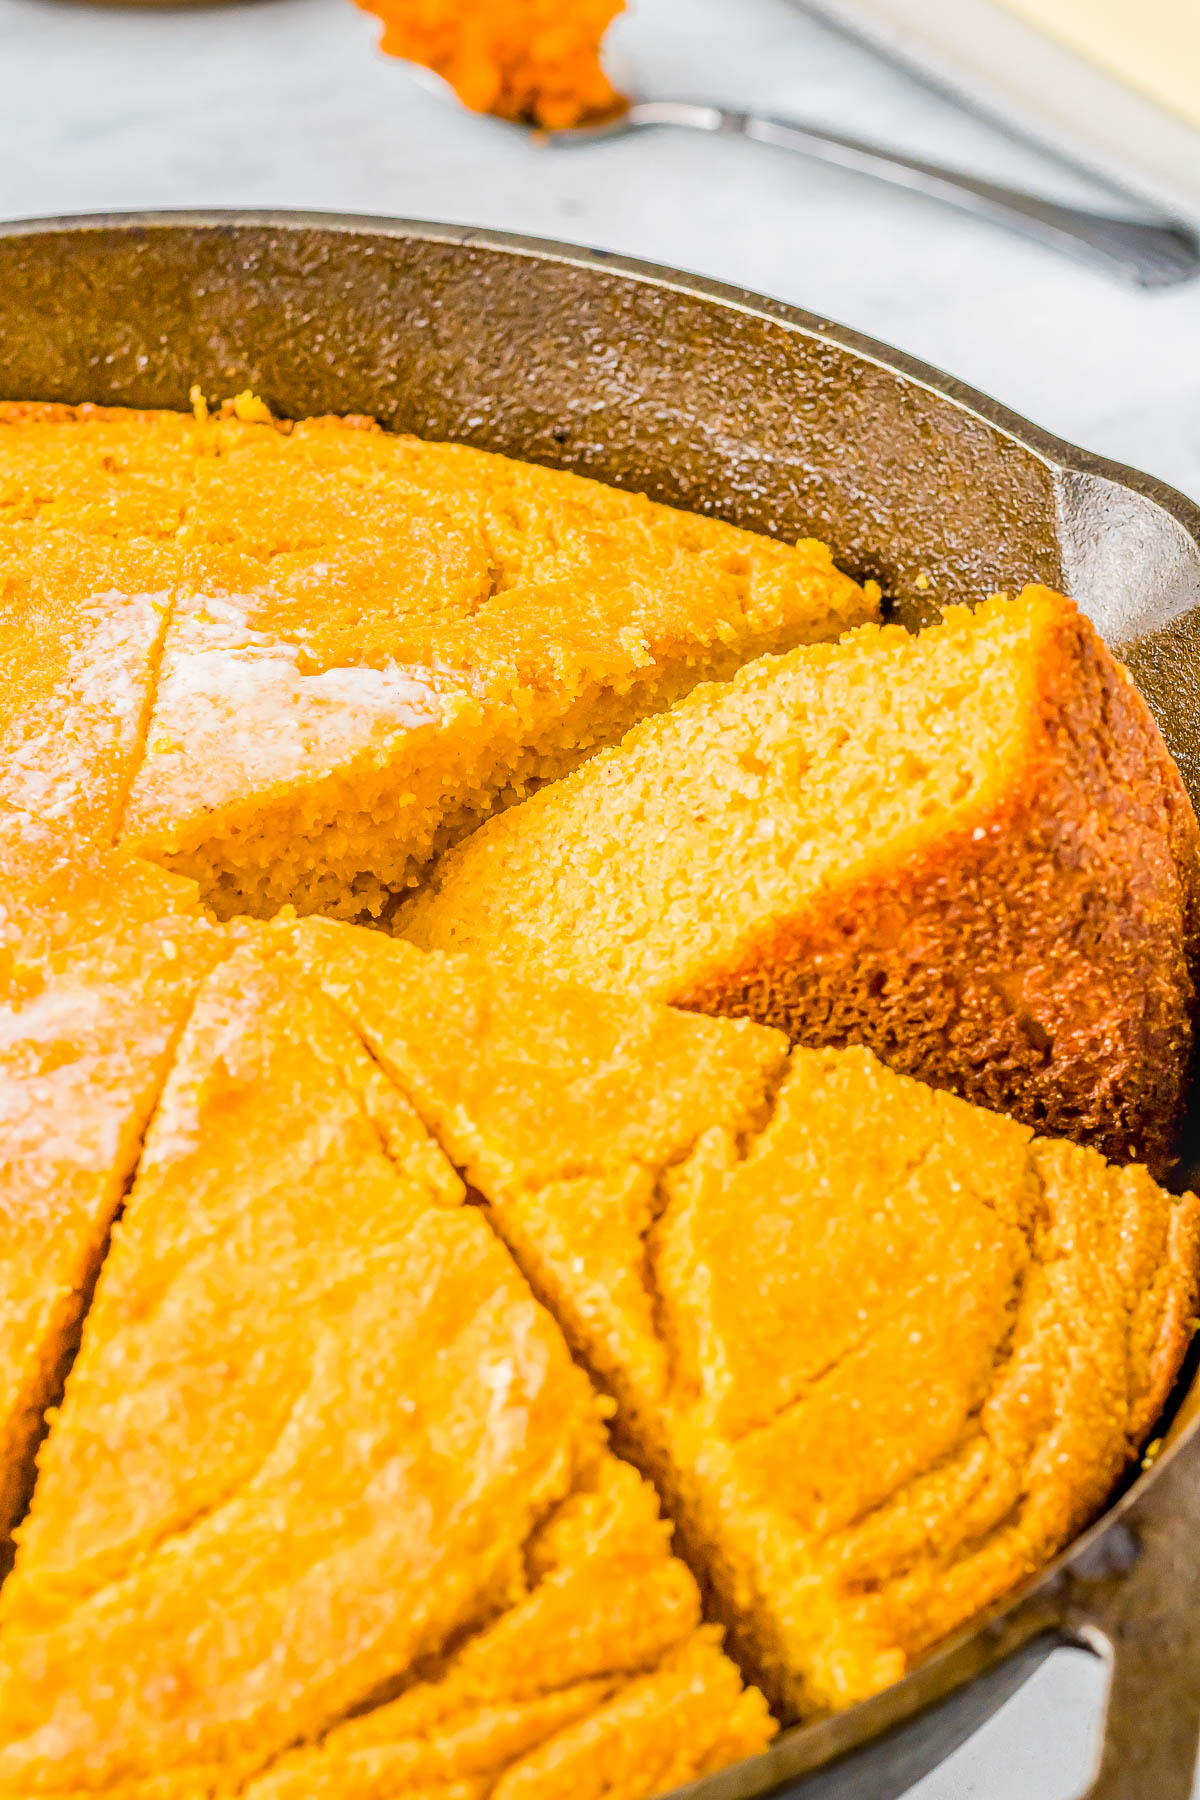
{"points": [[371, 642], [968, 849]]}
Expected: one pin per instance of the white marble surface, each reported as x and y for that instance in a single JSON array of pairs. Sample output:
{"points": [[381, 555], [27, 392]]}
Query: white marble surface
{"points": [[286, 103]]}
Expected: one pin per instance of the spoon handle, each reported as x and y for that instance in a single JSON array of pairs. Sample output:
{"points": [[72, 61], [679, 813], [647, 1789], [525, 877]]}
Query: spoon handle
{"points": [[1151, 250]]}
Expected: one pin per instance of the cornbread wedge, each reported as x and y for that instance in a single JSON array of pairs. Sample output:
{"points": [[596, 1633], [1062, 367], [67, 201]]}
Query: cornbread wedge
{"points": [[100, 956], [373, 641], [377, 641], [270, 1106], [883, 1352], [577, 1102], [968, 850], [86, 1036], [322, 1457]]}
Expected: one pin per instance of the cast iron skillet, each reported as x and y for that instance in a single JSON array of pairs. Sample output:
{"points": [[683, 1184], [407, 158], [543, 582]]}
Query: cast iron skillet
{"points": [[725, 402]]}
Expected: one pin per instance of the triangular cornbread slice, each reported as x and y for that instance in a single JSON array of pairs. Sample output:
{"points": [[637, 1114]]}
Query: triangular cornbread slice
{"points": [[322, 1448], [883, 1352], [967, 849], [379, 640], [965, 1334], [86, 1036], [270, 1103], [571, 1106]]}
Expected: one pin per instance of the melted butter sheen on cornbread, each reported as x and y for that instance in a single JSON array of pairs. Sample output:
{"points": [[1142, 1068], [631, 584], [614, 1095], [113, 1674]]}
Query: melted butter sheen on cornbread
{"points": [[883, 1352], [91, 500], [370, 642], [81, 627], [968, 849], [321, 1448], [99, 961]]}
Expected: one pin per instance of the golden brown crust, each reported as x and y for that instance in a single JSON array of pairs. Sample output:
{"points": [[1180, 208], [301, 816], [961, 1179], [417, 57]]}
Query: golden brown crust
{"points": [[324, 1465], [1038, 964], [57, 412], [882, 1353]]}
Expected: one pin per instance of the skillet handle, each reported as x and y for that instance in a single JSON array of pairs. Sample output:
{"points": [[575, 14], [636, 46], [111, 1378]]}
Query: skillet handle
{"points": [[1135, 1601]]}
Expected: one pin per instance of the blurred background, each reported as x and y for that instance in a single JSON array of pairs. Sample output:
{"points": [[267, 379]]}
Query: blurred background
{"points": [[289, 103]]}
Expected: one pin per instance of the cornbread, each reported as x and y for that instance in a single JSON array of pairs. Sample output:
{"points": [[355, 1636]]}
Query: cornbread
{"points": [[585, 1687], [882, 1352], [100, 955], [86, 1037], [333, 1261], [536, 61], [372, 641], [576, 1102], [90, 502], [967, 849], [323, 1458], [108, 473], [56, 891], [81, 627]]}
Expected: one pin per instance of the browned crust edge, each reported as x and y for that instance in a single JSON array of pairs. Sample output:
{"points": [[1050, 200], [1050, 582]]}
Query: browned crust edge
{"points": [[1039, 962]]}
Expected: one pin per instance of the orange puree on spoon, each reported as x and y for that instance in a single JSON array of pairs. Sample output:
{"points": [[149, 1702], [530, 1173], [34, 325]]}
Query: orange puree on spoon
{"points": [[534, 61]]}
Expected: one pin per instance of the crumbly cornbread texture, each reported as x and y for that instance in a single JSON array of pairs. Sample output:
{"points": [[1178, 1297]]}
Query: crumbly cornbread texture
{"points": [[535, 61], [87, 1031], [56, 890], [968, 849], [372, 641], [326, 1481], [883, 1352]]}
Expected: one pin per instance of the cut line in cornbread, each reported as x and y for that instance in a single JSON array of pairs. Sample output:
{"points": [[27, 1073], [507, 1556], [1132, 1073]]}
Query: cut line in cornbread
{"points": [[577, 1101], [597, 1684], [326, 1485], [967, 849], [377, 641], [82, 621], [882, 1352], [86, 1037]]}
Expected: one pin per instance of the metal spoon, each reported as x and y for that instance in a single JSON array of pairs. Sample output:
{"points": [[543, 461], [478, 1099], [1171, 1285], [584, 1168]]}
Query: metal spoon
{"points": [[1150, 249]]}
